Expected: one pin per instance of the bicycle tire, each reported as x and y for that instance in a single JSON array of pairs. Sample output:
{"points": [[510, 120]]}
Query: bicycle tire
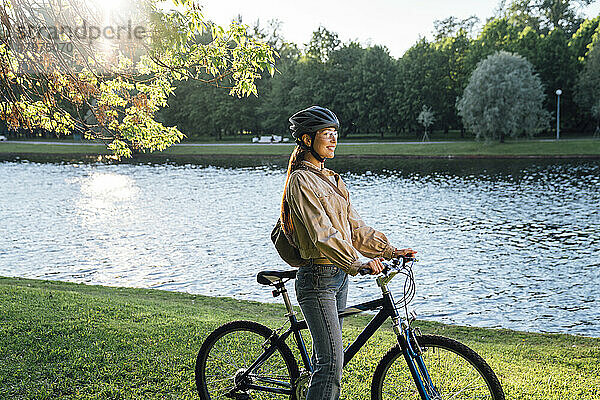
{"points": [[448, 363], [233, 347]]}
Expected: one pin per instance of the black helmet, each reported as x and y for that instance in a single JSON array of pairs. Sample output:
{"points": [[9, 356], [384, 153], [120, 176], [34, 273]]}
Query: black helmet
{"points": [[311, 120]]}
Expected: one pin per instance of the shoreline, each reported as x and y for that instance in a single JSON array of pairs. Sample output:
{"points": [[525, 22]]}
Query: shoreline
{"points": [[278, 304], [170, 157], [573, 149]]}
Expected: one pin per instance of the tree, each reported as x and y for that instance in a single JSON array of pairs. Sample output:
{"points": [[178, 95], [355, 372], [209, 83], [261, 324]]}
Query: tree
{"points": [[558, 68], [587, 89], [596, 114], [322, 44], [422, 78], [77, 66], [451, 26], [454, 69], [581, 42], [372, 90], [504, 97], [426, 119], [545, 15], [343, 79]]}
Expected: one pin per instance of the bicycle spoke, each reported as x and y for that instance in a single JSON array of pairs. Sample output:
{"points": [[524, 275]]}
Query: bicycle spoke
{"points": [[453, 372], [225, 365], [221, 380]]}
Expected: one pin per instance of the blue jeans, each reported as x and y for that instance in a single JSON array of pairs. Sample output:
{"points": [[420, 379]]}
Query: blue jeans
{"points": [[321, 291]]}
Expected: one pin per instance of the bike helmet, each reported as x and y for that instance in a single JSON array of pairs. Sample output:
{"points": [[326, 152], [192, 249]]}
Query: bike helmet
{"points": [[309, 121]]}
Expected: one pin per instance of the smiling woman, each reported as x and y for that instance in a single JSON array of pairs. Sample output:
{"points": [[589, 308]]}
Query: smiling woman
{"points": [[319, 220]]}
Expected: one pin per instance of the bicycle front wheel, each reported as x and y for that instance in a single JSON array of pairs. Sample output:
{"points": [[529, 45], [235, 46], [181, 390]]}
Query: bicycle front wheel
{"points": [[456, 371], [228, 353]]}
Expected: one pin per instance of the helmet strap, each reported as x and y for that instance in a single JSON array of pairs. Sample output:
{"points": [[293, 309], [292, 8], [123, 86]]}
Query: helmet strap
{"points": [[315, 154], [312, 149]]}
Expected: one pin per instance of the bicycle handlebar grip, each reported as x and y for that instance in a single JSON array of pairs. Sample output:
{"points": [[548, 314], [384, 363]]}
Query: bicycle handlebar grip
{"points": [[368, 271]]}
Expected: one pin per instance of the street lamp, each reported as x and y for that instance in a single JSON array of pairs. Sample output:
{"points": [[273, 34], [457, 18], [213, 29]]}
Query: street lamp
{"points": [[558, 93]]}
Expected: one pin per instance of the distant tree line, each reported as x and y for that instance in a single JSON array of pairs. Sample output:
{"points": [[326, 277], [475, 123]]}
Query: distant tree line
{"points": [[372, 92]]}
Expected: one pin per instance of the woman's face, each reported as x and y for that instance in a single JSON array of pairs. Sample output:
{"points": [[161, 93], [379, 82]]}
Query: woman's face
{"points": [[325, 142]]}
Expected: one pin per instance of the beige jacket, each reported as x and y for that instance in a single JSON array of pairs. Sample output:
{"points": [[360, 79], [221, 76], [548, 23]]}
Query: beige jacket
{"points": [[326, 226]]}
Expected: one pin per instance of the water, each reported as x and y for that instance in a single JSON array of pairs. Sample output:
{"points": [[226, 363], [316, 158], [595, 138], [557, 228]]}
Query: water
{"points": [[508, 243]]}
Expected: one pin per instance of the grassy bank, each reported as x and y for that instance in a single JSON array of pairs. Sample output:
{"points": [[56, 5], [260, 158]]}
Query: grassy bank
{"points": [[457, 149], [61, 340]]}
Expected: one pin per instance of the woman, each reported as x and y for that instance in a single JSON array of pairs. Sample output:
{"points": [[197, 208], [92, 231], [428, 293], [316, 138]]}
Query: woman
{"points": [[319, 220]]}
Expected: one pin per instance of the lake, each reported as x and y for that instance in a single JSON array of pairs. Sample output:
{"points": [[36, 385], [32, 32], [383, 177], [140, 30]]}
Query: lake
{"points": [[502, 243]]}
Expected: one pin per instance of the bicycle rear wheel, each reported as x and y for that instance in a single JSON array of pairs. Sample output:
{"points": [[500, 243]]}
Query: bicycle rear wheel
{"points": [[230, 350], [456, 371]]}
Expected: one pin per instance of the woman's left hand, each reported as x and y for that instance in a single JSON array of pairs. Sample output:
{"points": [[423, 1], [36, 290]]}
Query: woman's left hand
{"points": [[404, 252]]}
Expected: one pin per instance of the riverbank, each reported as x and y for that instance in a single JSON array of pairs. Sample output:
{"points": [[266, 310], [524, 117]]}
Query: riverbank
{"points": [[64, 340], [512, 149]]}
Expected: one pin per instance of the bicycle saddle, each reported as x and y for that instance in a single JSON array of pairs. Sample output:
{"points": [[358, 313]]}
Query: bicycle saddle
{"points": [[272, 277]]}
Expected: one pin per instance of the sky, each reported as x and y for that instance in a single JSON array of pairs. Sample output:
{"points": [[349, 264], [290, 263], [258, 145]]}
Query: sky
{"points": [[396, 24]]}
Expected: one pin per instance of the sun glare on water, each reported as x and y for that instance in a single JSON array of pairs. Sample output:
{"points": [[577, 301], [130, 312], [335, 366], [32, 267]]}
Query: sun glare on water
{"points": [[108, 188]]}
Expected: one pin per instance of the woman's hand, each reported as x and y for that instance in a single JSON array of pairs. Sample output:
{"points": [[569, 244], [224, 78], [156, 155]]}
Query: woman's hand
{"points": [[404, 252], [375, 266]]}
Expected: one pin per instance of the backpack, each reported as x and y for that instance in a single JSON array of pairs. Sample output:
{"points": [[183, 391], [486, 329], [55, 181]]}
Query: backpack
{"points": [[287, 251]]}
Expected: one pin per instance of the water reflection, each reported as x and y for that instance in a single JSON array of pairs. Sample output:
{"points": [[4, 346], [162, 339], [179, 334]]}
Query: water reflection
{"points": [[511, 243]]}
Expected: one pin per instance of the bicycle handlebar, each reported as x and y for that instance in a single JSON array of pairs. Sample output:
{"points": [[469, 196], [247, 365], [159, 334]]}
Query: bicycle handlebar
{"points": [[388, 265]]}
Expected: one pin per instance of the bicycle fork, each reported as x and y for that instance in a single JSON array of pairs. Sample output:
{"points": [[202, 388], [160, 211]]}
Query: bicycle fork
{"points": [[410, 349], [418, 370]]}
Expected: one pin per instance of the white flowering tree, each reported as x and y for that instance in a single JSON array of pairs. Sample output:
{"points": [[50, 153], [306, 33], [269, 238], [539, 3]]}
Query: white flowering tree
{"points": [[426, 118], [504, 98]]}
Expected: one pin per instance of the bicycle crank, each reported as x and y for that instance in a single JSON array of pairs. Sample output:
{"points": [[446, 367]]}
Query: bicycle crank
{"points": [[302, 385]]}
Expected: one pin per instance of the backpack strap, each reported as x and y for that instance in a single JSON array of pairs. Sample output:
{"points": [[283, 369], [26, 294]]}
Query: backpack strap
{"points": [[326, 179]]}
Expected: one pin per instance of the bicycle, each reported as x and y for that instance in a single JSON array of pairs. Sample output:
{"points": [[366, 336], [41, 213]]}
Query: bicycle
{"points": [[246, 360]]}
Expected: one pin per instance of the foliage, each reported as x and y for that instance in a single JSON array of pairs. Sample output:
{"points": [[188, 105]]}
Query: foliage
{"points": [[582, 41], [111, 89], [503, 98], [369, 90], [546, 15], [588, 84], [322, 44], [421, 79], [451, 26], [426, 117]]}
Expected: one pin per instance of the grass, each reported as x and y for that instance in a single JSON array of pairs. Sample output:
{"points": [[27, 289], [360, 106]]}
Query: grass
{"points": [[590, 148], [437, 135], [69, 341]]}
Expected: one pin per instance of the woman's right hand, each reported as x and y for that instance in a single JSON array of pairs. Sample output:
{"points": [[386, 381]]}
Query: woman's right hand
{"points": [[375, 266]]}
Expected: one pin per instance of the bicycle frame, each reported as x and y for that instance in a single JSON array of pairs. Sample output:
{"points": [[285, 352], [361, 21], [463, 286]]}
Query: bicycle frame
{"points": [[387, 309]]}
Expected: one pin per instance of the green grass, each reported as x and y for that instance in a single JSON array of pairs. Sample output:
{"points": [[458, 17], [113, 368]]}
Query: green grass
{"points": [[68, 341], [458, 149]]}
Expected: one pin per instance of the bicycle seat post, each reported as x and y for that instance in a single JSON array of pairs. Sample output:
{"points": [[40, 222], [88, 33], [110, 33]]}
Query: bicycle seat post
{"points": [[281, 290]]}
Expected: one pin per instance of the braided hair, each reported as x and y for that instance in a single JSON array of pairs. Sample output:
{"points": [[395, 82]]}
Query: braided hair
{"points": [[294, 163]]}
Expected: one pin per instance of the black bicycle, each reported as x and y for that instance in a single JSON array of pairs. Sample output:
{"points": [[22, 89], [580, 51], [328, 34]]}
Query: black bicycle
{"points": [[246, 360]]}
